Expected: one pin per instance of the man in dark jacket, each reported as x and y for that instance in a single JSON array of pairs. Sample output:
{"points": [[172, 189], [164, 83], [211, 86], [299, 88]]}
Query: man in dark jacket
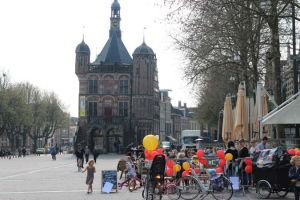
{"points": [[294, 175]]}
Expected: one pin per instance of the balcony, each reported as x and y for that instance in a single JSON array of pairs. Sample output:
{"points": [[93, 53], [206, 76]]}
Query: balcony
{"points": [[100, 120], [109, 69]]}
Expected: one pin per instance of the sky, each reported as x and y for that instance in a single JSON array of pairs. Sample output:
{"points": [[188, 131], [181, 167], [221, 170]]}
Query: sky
{"points": [[38, 40]]}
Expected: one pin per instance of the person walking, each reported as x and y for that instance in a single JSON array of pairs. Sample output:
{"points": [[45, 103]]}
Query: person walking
{"points": [[91, 170], [231, 164], [263, 145], [117, 145], [53, 152], [86, 154], [24, 151], [79, 155], [252, 148], [294, 175], [243, 153], [95, 154]]}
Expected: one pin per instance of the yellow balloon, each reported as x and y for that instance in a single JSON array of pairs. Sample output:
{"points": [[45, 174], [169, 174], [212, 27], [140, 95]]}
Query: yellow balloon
{"points": [[177, 168], [186, 165], [228, 156], [150, 142]]}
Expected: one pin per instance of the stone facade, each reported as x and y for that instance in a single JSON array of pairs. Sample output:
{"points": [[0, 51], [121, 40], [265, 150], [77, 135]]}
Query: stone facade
{"points": [[118, 95]]}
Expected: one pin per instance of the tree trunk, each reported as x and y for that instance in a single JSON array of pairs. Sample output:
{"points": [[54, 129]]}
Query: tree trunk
{"points": [[24, 138], [34, 144], [11, 139]]}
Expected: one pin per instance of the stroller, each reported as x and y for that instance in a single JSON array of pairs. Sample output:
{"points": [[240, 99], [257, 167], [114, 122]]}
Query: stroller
{"points": [[270, 173], [155, 179]]}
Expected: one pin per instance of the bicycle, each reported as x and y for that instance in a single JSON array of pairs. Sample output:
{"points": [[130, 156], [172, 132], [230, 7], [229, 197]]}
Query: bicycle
{"points": [[131, 183], [191, 186], [170, 188], [154, 179]]}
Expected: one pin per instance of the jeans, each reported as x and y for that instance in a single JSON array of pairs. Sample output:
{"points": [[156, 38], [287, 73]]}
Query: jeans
{"points": [[297, 191]]}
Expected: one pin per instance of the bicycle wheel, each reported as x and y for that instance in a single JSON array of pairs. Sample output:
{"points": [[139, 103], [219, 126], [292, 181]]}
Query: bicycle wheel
{"points": [[221, 188], [282, 193], [147, 193], [172, 192], [189, 187], [263, 189]]}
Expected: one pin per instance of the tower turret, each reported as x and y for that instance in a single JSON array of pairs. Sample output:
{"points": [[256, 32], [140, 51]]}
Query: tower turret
{"points": [[115, 19], [82, 58]]}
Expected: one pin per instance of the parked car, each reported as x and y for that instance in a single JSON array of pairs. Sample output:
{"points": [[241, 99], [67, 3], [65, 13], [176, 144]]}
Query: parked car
{"points": [[40, 151]]}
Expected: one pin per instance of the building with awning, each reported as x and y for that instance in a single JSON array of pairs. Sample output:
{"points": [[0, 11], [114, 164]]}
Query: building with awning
{"points": [[286, 113]]}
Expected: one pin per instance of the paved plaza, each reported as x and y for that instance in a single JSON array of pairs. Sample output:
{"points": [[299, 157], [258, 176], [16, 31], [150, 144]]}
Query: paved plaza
{"points": [[40, 178]]}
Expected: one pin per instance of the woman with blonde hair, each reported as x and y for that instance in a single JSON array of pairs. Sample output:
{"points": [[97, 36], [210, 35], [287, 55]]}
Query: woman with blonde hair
{"points": [[90, 168], [294, 175]]}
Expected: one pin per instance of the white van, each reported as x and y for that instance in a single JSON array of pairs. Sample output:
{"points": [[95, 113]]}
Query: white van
{"points": [[189, 139], [166, 145]]}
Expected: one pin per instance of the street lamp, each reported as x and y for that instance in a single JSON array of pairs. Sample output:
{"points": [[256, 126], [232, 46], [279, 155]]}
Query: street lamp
{"points": [[220, 124]]}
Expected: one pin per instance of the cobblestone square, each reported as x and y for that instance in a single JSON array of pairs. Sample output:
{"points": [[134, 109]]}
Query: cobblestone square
{"points": [[38, 177]]}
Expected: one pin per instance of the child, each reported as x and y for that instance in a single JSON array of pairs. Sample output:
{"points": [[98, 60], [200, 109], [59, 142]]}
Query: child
{"points": [[130, 168], [90, 175], [294, 175]]}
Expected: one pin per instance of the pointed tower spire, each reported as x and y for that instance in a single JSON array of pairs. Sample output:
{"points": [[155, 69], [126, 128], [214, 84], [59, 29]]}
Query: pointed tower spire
{"points": [[83, 27], [144, 34]]}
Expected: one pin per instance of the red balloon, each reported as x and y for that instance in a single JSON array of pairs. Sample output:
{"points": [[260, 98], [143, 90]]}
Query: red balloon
{"points": [[160, 151], [219, 170], [153, 154], [292, 152], [200, 153], [170, 163], [203, 161], [248, 161], [197, 170], [222, 163], [248, 169], [184, 174], [220, 154], [148, 155], [170, 172]]}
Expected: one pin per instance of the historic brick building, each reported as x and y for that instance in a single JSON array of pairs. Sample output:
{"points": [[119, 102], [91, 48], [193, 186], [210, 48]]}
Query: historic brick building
{"points": [[118, 95]]}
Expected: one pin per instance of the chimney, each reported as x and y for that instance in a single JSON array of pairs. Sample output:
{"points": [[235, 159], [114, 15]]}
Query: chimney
{"points": [[179, 104]]}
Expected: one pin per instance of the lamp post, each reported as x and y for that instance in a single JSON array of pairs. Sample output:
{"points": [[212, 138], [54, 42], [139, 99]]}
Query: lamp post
{"points": [[220, 125], [295, 67]]}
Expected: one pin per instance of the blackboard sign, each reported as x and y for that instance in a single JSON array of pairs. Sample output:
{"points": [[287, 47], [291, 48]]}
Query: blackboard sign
{"points": [[109, 177]]}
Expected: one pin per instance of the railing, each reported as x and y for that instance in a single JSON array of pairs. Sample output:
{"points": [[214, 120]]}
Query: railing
{"points": [[109, 69], [284, 142], [103, 120]]}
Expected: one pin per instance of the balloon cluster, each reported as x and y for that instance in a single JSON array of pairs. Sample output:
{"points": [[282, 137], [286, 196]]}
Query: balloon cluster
{"points": [[294, 152], [150, 142]]}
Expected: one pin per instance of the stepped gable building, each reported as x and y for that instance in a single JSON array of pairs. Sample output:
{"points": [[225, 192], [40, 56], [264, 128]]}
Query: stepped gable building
{"points": [[118, 94]]}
